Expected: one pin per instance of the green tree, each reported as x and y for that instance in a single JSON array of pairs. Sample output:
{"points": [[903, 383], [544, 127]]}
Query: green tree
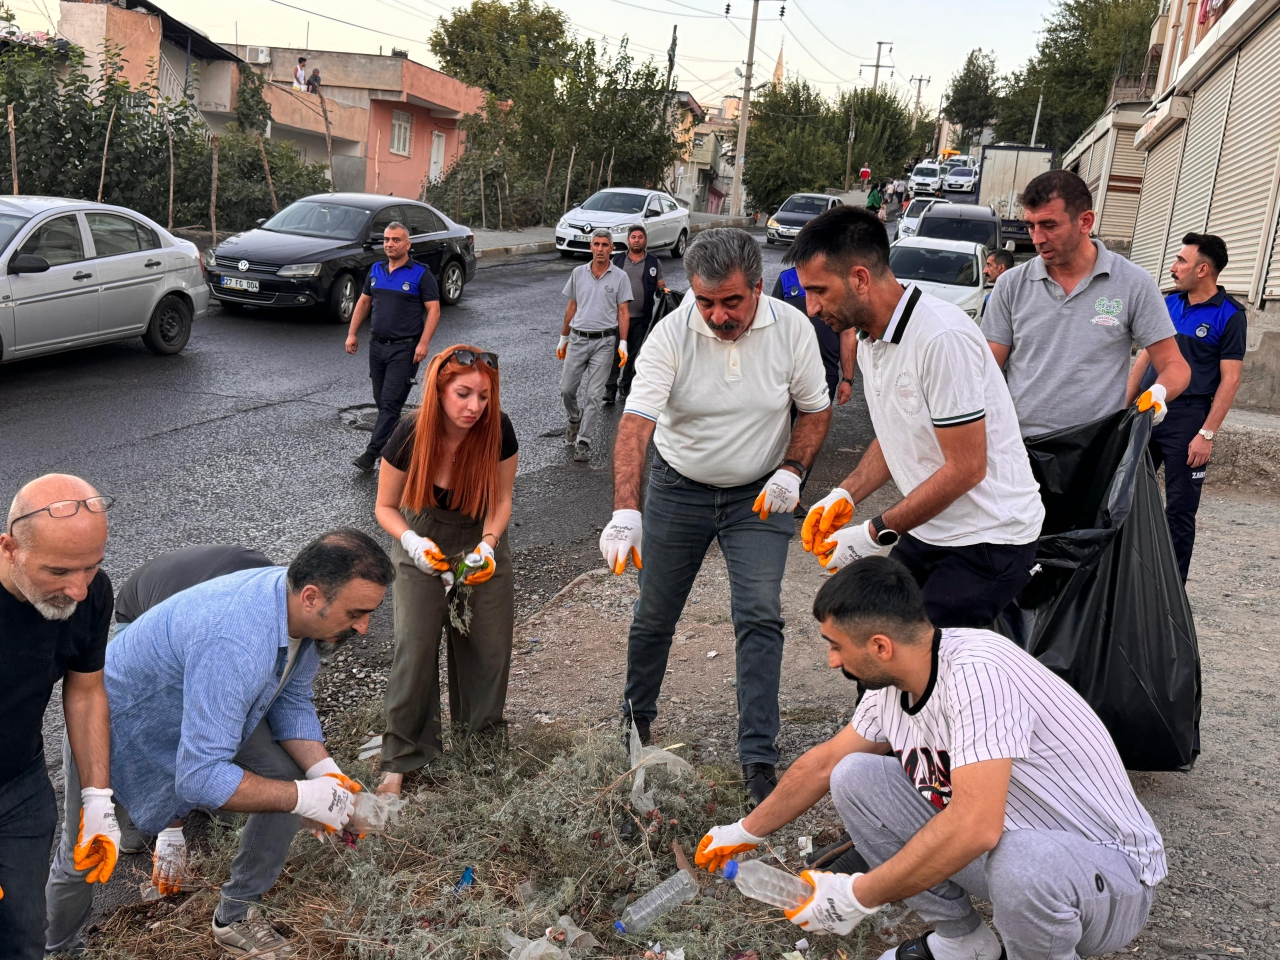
{"points": [[253, 113], [497, 45], [973, 95]]}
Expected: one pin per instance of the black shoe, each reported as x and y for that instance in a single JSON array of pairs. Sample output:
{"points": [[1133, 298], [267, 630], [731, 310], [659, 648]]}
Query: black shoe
{"points": [[917, 948], [642, 728], [609, 399], [366, 460], [838, 857], [761, 779]]}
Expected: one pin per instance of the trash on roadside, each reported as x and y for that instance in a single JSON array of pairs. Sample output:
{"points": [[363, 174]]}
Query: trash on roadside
{"points": [[522, 948], [370, 748], [373, 813], [656, 951], [525, 891], [713, 654], [468, 877], [665, 897], [643, 757], [885, 922], [574, 936], [793, 955], [802, 945], [804, 846]]}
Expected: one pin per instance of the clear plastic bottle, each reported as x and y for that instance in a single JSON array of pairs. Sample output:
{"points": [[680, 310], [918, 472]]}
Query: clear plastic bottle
{"points": [[666, 896], [768, 884]]}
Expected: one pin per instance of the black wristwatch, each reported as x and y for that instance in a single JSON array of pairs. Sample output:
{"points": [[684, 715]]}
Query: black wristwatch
{"points": [[848, 380], [884, 536], [795, 465]]}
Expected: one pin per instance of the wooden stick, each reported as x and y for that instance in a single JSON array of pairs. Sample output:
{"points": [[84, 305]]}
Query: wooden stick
{"points": [[377, 168], [600, 175], [328, 143], [102, 178], [510, 210], [275, 207], [612, 151], [484, 224], [542, 217], [498, 190], [169, 131], [591, 169], [457, 211], [568, 178], [213, 195], [13, 151]]}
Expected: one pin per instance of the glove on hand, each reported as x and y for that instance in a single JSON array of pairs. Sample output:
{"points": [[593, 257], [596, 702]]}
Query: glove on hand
{"points": [[169, 862], [833, 908], [722, 844], [830, 513], [620, 539], [328, 767], [98, 843], [427, 557], [622, 353], [562, 347], [482, 559], [1155, 397], [325, 801], [847, 545], [780, 494]]}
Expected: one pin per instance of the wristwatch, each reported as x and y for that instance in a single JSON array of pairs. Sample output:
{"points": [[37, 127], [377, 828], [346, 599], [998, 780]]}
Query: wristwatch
{"points": [[848, 380], [795, 465], [883, 535], [1207, 434]]}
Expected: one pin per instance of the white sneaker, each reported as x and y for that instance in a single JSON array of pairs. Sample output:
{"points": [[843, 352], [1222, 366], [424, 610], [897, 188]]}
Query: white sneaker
{"points": [[981, 944], [254, 936]]}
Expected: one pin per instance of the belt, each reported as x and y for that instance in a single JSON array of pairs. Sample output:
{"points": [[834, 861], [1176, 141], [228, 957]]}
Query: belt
{"points": [[396, 340], [597, 334]]}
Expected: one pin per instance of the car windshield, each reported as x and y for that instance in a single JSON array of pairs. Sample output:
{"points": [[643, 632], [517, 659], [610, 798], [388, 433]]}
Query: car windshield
{"points": [[811, 205], [10, 223], [934, 266], [947, 228], [925, 172], [917, 207], [310, 218], [964, 172], [611, 201]]}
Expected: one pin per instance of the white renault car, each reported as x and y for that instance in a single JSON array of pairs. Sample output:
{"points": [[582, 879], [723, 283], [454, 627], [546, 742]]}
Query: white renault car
{"points": [[74, 274], [909, 222], [618, 208], [961, 179], [949, 269]]}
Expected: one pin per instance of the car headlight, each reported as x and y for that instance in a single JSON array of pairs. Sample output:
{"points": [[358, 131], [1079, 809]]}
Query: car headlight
{"points": [[971, 311], [209, 258], [622, 229], [300, 270], [773, 223]]}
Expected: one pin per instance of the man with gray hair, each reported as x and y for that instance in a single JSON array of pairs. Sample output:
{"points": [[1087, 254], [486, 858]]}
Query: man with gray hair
{"points": [[55, 617], [596, 318], [714, 389]]}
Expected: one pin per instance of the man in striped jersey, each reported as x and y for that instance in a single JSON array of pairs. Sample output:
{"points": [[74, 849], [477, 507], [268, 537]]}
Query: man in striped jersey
{"points": [[969, 769]]}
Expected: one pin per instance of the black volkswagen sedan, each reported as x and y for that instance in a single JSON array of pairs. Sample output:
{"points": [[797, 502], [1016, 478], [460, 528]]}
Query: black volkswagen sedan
{"points": [[316, 252]]}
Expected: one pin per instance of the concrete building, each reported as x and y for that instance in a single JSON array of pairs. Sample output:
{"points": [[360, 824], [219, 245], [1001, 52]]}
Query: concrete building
{"points": [[1105, 157], [684, 177]]}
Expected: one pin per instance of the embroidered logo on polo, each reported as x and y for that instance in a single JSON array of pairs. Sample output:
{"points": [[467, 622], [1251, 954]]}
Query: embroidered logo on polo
{"points": [[907, 393], [1108, 312], [653, 271], [1202, 331], [405, 286]]}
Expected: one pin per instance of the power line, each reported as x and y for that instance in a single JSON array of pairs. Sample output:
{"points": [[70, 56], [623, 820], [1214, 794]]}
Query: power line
{"points": [[823, 34], [787, 28]]}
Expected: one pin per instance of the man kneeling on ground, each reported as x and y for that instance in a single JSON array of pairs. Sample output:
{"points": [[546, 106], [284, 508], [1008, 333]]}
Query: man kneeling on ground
{"points": [[969, 769]]}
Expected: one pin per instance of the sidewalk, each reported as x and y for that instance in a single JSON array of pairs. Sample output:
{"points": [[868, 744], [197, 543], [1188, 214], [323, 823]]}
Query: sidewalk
{"points": [[515, 243]]}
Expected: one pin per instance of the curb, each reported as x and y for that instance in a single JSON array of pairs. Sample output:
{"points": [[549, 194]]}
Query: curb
{"points": [[1247, 450]]}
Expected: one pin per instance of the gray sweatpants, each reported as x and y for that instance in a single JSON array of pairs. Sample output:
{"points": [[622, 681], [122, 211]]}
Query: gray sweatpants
{"points": [[1056, 895], [587, 364]]}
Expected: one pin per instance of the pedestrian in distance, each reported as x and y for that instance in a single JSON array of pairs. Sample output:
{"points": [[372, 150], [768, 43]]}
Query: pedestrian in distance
{"points": [[1062, 325], [1211, 329], [946, 433], [969, 770], [55, 620], [874, 200], [300, 75], [998, 261], [864, 177], [714, 389], [644, 273], [402, 303], [592, 339], [444, 492], [313, 81]]}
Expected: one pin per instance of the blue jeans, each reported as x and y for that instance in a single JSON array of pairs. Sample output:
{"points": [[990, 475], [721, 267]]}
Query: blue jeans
{"points": [[28, 818], [681, 518]]}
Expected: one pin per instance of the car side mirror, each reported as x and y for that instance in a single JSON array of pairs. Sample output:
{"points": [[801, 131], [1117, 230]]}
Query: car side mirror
{"points": [[373, 240], [1010, 245], [650, 213], [28, 263], [260, 221]]}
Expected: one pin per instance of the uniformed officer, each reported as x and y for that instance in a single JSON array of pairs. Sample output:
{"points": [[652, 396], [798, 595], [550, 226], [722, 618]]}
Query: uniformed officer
{"points": [[644, 271], [838, 350], [1211, 336], [404, 300]]}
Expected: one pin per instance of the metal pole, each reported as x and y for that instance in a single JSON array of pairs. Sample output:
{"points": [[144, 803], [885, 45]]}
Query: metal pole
{"points": [[848, 155], [13, 151], [735, 196], [1035, 127]]}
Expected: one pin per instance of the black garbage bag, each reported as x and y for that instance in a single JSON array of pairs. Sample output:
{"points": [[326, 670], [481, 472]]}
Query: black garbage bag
{"points": [[1106, 610], [664, 303]]}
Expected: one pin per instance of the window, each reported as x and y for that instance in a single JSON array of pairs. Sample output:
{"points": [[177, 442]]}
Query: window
{"points": [[112, 234], [383, 217], [437, 155], [615, 201], [147, 237], [804, 205], [934, 266], [309, 218], [401, 132], [57, 240], [654, 209], [9, 225], [952, 228], [669, 205], [422, 220]]}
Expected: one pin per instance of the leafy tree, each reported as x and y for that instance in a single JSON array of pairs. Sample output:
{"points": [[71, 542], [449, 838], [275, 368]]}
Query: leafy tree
{"points": [[973, 95], [497, 45], [253, 113]]}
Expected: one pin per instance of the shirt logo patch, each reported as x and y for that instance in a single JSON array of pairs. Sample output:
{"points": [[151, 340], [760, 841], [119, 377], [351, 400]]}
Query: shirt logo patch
{"points": [[1108, 311], [1202, 330], [405, 286], [1105, 321], [653, 271], [608, 289], [907, 393]]}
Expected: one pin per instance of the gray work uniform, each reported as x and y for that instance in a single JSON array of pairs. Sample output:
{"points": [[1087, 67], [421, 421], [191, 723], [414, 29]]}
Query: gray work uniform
{"points": [[593, 343], [1069, 355]]}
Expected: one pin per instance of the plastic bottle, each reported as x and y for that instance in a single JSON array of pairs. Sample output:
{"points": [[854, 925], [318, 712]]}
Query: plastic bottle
{"points": [[666, 896], [768, 884]]}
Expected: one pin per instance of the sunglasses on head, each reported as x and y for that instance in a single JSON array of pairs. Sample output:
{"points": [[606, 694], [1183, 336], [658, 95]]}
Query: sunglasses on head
{"points": [[467, 358]]}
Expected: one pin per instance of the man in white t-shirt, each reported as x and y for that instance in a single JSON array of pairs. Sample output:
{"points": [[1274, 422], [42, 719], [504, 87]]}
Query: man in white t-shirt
{"points": [[969, 769], [946, 432]]}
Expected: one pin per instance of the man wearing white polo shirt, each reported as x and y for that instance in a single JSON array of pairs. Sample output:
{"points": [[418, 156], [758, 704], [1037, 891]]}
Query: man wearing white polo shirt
{"points": [[714, 388], [946, 433]]}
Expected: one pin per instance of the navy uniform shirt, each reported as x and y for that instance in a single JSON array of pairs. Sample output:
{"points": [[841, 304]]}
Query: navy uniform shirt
{"points": [[787, 288], [1207, 333], [398, 299]]}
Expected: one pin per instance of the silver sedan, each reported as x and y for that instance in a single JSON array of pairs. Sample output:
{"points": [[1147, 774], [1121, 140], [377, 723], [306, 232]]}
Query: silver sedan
{"points": [[75, 273]]}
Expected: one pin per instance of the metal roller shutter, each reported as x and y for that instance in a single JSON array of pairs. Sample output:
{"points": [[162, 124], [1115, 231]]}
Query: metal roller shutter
{"points": [[1097, 163], [1239, 206], [1152, 224], [1199, 161], [1084, 164], [1123, 184]]}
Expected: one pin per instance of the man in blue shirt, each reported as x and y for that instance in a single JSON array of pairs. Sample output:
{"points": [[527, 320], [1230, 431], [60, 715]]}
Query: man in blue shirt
{"points": [[211, 706], [404, 301], [1210, 328], [839, 351]]}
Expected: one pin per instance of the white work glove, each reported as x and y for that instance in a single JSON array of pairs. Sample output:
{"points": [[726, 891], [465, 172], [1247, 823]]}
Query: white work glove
{"points": [[622, 353], [827, 515], [325, 801], [722, 844], [328, 767], [98, 843], [833, 908], [447, 577], [847, 545], [562, 347], [621, 539], [780, 494], [1154, 397], [427, 557], [169, 862], [482, 564]]}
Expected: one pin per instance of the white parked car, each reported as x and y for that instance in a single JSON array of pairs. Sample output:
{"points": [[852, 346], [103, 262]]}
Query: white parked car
{"points": [[961, 179], [665, 221], [949, 269], [75, 273], [926, 178], [909, 222]]}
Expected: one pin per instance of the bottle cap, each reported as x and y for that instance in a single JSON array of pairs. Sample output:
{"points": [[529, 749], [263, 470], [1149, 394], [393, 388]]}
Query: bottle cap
{"points": [[730, 869], [617, 925]]}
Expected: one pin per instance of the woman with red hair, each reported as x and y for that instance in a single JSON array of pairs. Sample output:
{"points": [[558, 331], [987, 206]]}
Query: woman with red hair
{"points": [[444, 492]]}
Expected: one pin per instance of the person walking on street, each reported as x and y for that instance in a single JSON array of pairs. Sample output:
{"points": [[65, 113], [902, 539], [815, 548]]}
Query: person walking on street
{"points": [[864, 176], [55, 619], [946, 433], [402, 302], [593, 338], [644, 273], [1211, 329], [874, 200], [970, 769], [714, 389], [1062, 325], [445, 490]]}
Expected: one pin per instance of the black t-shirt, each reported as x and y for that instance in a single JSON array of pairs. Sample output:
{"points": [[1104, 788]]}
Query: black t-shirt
{"points": [[36, 654], [160, 578], [399, 449]]}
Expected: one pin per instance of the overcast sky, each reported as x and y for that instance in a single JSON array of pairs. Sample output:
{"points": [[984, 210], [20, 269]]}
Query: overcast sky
{"points": [[826, 41]]}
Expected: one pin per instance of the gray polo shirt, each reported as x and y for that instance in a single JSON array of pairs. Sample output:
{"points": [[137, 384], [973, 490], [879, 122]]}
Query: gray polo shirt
{"points": [[597, 299], [635, 275], [1069, 357]]}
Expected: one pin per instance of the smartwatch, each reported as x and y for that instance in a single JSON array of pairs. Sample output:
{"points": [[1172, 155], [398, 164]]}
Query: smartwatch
{"points": [[883, 535], [795, 465]]}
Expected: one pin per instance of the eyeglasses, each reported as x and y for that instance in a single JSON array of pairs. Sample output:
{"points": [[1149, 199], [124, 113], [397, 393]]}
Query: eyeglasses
{"points": [[61, 509], [467, 358]]}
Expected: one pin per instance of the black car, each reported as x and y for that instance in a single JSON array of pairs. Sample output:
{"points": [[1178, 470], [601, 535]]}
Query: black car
{"points": [[962, 221], [316, 252], [795, 212]]}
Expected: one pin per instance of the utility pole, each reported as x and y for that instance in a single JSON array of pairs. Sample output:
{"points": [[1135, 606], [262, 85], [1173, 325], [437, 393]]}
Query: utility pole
{"points": [[671, 56], [919, 82], [735, 196], [1035, 127], [848, 156], [875, 83]]}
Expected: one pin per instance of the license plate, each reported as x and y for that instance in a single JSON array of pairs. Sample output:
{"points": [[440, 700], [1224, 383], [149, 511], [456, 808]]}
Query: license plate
{"points": [[582, 237], [235, 283]]}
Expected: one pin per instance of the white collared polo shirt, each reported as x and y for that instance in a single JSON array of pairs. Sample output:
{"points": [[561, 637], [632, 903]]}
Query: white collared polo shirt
{"points": [[932, 369]]}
